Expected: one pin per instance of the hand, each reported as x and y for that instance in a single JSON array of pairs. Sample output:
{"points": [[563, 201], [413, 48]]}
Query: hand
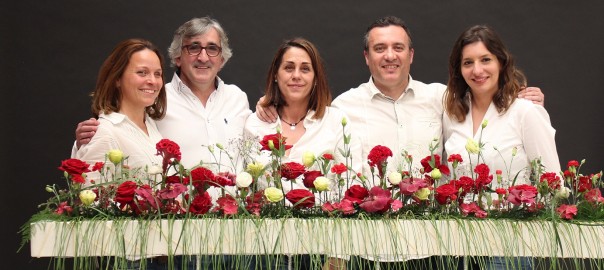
{"points": [[85, 131], [266, 114], [533, 94]]}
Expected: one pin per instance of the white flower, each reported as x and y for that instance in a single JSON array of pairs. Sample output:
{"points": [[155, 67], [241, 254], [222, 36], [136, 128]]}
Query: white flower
{"points": [[308, 159], [472, 146], [322, 183], [155, 169], [395, 178], [243, 180], [562, 193], [87, 196], [273, 194]]}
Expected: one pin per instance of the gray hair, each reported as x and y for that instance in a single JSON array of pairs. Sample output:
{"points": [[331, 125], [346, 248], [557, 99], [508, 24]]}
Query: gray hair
{"points": [[195, 27]]}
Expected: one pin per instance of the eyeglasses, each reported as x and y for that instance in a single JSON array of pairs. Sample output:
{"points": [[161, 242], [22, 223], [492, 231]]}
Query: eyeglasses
{"points": [[195, 49]]}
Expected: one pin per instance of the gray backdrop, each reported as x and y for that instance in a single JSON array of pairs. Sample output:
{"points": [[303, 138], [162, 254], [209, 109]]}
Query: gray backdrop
{"points": [[51, 52]]}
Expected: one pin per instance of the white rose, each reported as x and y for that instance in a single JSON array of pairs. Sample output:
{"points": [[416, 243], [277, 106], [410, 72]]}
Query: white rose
{"points": [[243, 180], [395, 178]]}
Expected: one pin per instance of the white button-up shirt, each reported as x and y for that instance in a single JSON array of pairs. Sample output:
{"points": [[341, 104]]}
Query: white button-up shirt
{"points": [[116, 131], [409, 123], [524, 126], [194, 126]]}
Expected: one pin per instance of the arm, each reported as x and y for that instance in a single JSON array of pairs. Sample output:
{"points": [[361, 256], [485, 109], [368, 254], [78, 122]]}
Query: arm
{"points": [[85, 131], [533, 94], [266, 114], [538, 138]]}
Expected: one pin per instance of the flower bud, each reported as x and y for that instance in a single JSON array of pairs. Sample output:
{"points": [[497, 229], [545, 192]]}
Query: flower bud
{"points": [[271, 145], [115, 156], [422, 194], [220, 146], [243, 180], [436, 174], [308, 159], [562, 193], [472, 146], [87, 197], [211, 148], [273, 194], [514, 151], [49, 189], [344, 121], [395, 178], [484, 124], [322, 183]]}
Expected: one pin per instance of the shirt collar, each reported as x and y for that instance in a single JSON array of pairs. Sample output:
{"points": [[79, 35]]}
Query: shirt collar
{"points": [[114, 117], [374, 91], [182, 87]]}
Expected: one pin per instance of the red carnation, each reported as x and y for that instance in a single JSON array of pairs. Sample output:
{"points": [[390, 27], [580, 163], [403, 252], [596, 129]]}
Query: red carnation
{"points": [[446, 193], [201, 204], [484, 177], [567, 211], [202, 177], [339, 168], [291, 170], [573, 163], [301, 198], [228, 205], [455, 158], [328, 156], [378, 155], [553, 180], [522, 194]]}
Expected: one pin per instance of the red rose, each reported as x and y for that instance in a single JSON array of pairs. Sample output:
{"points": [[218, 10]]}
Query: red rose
{"points": [[291, 170], [339, 168], [378, 155], [201, 204], [277, 140], [202, 177], [445, 194], [309, 178], [301, 198], [356, 194], [74, 166], [125, 192]]}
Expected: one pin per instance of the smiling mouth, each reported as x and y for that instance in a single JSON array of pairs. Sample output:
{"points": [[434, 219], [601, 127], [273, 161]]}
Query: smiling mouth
{"points": [[148, 91]]}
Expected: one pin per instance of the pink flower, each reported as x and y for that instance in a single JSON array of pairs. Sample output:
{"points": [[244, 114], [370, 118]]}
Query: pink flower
{"points": [[594, 196], [171, 191], [567, 211], [472, 208], [345, 206], [377, 201], [356, 194], [228, 205], [412, 185], [522, 194]]}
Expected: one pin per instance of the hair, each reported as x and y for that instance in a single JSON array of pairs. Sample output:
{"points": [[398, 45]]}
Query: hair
{"points": [[320, 96], [384, 22], [196, 27], [511, 80], [106, 96]]}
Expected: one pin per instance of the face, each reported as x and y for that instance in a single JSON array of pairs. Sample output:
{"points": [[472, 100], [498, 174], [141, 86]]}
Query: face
{"points": [[200, 70], [389, 57], [296, 75], [480, 69], [141, 82]]}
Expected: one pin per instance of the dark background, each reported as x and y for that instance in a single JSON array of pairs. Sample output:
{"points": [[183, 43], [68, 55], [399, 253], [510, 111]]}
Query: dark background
{"points": [[51, 52]]}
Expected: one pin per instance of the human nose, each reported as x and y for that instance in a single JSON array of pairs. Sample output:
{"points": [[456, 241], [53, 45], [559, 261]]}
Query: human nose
{"points": [[389, 54], [296, 73], [476, 69], [203, 55]]}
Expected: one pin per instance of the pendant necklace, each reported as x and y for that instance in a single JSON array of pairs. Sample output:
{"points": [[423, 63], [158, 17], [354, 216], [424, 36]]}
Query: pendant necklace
{"points": [[292, 126]]}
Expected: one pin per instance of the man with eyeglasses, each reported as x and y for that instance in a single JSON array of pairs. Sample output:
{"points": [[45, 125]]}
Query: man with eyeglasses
{"points": [[202, 110]]}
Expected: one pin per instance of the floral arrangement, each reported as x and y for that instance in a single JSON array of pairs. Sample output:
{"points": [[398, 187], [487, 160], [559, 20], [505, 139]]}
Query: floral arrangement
{"points": [[332, 188]]}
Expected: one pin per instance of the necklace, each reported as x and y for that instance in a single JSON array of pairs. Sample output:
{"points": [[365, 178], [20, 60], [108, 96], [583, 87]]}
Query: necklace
{"points": [[292, 126]]}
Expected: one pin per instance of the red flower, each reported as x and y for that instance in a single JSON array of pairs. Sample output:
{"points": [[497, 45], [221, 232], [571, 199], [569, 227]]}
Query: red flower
{"points": [[356, 194], [339, 168], [594, 196], [223, 179], [345, 206], [254, 202], [378, 201], [573, 163], [501, 191], [484, 177], [125, 192], [584, 184], [291, 170], [522, 194], [567, 211], [171, 191], [74, 166], [228, 205], [201, 204], [465, 183], [309, 178], [472, 208], [277, 140], [77, 178], [378, 155], [169, 150], [202, 177], [455, 157], [553, 180], [328, 156], [97, 166], [410, 185], [301, 198], [176, 179], [444, 169], [446, 193], [64, 208]]}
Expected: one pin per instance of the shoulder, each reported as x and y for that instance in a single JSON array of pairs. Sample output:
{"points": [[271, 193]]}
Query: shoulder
{"points": [[526, 109], [353, 94], [437, 89]]}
